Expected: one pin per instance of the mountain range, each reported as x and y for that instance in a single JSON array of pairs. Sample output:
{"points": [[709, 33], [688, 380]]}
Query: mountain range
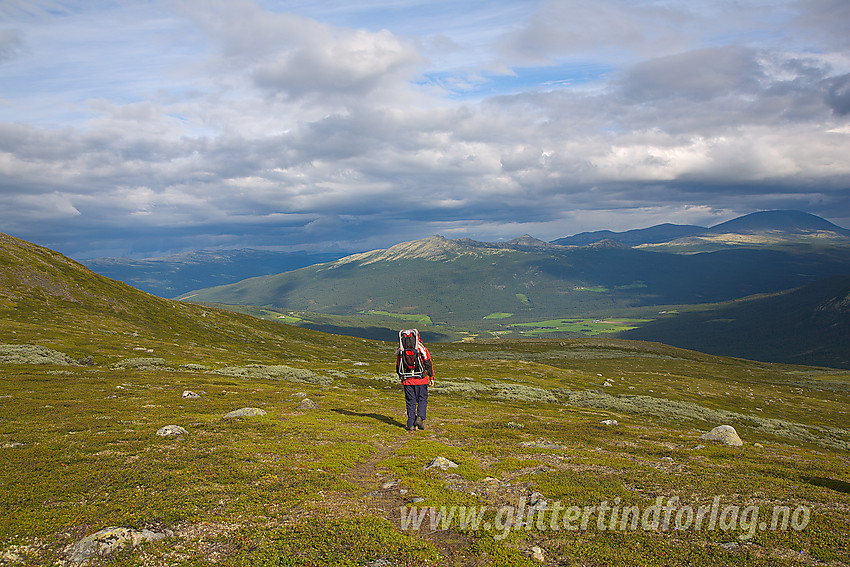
{"points": [[764, 227], [464, 288]]}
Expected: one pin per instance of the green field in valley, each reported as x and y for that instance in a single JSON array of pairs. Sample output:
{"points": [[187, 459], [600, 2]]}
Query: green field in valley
{"points": [[587, 327]]}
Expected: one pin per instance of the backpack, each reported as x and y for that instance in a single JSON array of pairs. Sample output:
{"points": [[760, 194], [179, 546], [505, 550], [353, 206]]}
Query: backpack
{"points": [[409, 361]]}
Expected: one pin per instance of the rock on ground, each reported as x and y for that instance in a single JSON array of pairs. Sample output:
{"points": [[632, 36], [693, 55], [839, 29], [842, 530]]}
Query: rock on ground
{"points": [[441, 463], [107, 541], [190, 395], [307, 403], [171, 430], [537, 553], [725, 434], [244, 412]]}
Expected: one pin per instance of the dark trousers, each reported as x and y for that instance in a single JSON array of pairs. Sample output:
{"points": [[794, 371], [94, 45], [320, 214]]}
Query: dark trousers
{"points": [[416, 398]]}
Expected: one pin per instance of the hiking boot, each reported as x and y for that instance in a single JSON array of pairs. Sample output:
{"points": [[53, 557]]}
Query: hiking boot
{"points": [[419, 423], [411, 428]]}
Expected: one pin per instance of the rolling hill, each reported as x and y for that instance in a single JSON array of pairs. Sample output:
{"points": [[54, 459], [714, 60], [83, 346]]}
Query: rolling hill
{"points": [[808, 325], [459, 283], [118, 445], [58, 302]]}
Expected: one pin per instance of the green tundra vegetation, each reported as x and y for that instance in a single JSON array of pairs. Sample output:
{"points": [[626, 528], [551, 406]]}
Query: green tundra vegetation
{"points": [[91, 370]]}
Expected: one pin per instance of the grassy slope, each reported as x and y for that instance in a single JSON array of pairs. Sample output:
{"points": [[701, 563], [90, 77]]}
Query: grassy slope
{"points": [[461, 290], [325, 487], [809, 325]]}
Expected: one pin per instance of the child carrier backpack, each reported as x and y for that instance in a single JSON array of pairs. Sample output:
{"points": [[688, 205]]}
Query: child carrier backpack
{"points": [[409, 362]]}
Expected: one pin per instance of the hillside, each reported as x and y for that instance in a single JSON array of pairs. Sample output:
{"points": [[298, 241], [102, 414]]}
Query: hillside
{"points": [[118, 446], [460, 283], [60, 303], [809, 325]]}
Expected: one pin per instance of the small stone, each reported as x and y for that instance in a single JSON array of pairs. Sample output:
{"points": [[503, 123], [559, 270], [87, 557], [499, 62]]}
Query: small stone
{"points": [[307, 403], [758, 445], [190, 395], [244, 412], [537, 501], [725, 434], [390, 484], [107, 541], [537, 553], [441, 463], [171, 431], [612, 422]]}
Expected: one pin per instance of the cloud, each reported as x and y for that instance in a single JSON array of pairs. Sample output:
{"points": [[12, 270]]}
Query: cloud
{"points": [[838, 94], [244, 125], [10, 45], [697, 75], [355, 64]]}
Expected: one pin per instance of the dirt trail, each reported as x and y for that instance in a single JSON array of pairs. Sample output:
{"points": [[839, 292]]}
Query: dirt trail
{"points": [[384, 496]]}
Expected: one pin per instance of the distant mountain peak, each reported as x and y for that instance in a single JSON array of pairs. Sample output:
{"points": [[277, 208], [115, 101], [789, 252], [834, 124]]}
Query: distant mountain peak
{"points": [[431, 248], [607, 243], [528, 241], [794, 222]]}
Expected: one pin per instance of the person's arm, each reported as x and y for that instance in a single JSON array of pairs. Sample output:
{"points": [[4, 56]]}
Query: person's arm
{"points": [[428, 363]]}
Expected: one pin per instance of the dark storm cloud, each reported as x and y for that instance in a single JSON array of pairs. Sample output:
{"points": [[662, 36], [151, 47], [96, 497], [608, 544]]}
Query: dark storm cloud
{"points": [[838, 94]]}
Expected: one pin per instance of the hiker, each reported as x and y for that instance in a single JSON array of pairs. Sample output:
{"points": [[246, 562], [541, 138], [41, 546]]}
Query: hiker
{"points": [[416, 371]]}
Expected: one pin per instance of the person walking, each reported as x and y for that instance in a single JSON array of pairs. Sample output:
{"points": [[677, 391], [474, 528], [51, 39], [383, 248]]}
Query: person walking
{"points": [[416, 371]]}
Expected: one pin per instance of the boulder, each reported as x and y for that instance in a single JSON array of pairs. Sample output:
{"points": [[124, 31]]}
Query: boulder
{"points": [[612, 422], [244, 412], [537, 554], [190, 395], [107, 541], [441, 463], [725, 434], [171, 431], [307, 403], [537, 501]]}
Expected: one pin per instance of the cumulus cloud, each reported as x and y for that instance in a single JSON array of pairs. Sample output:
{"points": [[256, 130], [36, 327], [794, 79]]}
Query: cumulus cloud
{"points": [[697, 75], [355, 65]]}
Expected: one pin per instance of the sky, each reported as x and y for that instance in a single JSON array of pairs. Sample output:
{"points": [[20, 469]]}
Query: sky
{"points": [[140, 128]]}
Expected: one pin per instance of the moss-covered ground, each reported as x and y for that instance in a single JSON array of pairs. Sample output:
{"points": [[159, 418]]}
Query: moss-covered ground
{"points": [[339, 485]]}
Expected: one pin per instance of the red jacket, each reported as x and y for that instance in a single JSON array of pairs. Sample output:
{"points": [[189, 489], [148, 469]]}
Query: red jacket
{"points": [[424, 373]]}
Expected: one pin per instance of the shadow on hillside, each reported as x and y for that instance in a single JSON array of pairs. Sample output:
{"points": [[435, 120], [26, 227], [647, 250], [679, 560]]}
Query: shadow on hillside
{"points": [[831, 483], [383, 418]]}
